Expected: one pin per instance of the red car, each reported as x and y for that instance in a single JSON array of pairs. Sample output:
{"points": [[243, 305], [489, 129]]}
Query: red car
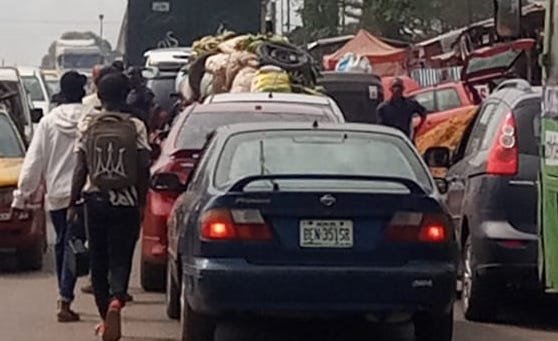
{"points": [[182, 148], [481, 73], [24, 233]]}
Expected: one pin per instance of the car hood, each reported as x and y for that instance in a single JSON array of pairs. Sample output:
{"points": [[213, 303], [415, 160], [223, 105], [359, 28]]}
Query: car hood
{"points": [[9, 171], [494, 61]]}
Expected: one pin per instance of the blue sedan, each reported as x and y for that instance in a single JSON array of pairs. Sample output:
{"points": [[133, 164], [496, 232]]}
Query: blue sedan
{"points": [[313, 220]]}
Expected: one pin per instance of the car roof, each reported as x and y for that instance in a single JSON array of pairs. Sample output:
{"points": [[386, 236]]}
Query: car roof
{"points": [[269, 97], [9, 74], [281, 126], [258, 107], [28, 70], [513, 96]]}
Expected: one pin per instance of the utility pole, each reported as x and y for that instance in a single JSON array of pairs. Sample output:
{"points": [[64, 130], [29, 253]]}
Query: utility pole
{"points": [[282, 4], [101, 25], [288, 16]]}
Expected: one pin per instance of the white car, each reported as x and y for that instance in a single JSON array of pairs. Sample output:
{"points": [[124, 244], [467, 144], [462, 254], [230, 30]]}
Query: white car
{"points": [[175, 56], [36, 87]]}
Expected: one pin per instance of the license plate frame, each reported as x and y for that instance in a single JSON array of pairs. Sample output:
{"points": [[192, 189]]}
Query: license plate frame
{"points": [[326, 234]]}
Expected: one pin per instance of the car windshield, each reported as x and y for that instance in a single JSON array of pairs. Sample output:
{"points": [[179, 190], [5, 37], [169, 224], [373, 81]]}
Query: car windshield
{"points": [[318, 152], [34, 88], [10, 145], [81, 61], [193, 134]]}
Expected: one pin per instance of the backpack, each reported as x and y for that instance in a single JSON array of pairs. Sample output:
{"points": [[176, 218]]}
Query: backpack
{"points": [[111, 151]]}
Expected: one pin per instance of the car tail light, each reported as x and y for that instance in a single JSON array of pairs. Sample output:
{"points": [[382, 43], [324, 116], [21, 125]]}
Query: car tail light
{"points": [[224, 224], [503, 158], [411, 227]]}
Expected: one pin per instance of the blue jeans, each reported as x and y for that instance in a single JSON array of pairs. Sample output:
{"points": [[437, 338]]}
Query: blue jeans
{"points": [[66, 280]]}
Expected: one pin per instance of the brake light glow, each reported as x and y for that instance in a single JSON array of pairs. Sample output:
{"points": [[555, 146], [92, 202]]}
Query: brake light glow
{"points": [[503, 158], [230, 225], [412, 227]]}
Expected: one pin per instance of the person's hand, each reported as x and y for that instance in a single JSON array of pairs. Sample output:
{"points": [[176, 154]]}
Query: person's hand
{"points": [[72, 215]]}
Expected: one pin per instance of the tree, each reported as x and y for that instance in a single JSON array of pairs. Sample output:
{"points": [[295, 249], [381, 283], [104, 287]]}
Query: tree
{"points": [[49, 60], [320, 18]]}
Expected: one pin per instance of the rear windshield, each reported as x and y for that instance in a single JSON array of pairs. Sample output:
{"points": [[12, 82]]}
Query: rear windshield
{"points": [[10, 145], [163, 88], [527, 116], [193, 133], [318, 152], [34, 88]]}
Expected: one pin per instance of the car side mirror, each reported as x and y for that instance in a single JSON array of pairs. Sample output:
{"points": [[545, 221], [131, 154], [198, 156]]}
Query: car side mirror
{"points": [[442, 185], [36, 115], [438, 157], [167, 182]]}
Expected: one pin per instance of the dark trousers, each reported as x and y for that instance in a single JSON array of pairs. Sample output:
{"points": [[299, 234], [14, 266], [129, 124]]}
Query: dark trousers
{"points": [[66, 280], [113, 233]]}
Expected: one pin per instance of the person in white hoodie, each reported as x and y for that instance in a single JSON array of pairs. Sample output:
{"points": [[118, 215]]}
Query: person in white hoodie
{"points": [[51, 161]]}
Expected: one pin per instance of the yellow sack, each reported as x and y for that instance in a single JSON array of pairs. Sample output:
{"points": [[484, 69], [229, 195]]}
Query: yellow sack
{"points": [[271, 79]]}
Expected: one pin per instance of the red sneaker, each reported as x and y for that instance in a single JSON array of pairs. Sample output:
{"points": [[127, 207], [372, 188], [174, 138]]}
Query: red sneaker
{"points": [[113, 323]]}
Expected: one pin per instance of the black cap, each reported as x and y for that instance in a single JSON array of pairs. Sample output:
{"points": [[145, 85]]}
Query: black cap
{"points": [[72, 86], [113, 88]]}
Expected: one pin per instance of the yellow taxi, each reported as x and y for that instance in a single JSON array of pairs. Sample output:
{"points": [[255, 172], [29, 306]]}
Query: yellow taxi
{"points": [[21, 233]]}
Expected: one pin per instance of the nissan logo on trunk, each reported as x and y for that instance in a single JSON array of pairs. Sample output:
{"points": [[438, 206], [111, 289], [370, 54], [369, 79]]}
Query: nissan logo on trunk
{"points": [[328, 200]]}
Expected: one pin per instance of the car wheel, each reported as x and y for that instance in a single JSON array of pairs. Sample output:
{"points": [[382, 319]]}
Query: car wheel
{"points": [[434, 326], [194, 326], [152, 277], [172, 295], [476, 300], [30, 259]]}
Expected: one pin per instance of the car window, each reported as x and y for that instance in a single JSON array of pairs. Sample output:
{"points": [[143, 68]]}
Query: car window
{"points": [[527, 117], [193, 133], [426, 99], [34, 88], [479, 128], [447, 99], [10, 144], [302, 152]]}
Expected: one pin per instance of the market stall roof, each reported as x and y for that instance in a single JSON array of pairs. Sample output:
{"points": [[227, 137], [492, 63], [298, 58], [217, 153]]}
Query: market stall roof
{"points": [[365, 44]]}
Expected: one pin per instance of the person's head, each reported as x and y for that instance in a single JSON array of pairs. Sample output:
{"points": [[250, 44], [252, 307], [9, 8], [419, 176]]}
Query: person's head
{"points": [[118, 65], [397, 88], [72, 87], [113, 90], [136, 77]]}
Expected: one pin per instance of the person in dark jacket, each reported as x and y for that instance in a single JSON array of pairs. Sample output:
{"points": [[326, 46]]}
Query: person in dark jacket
{"points": [[140, 100], [398, 112]]}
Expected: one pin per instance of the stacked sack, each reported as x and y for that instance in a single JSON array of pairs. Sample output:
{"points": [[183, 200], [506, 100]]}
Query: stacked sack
{"points": [[248, 63]]}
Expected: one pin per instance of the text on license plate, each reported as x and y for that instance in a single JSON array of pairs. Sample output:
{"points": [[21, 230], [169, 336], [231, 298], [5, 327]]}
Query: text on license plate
{"points": [[326, 234]]}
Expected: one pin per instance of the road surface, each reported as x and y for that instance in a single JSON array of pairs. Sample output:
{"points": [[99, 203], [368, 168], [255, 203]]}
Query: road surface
{"points": [[28, 303]]}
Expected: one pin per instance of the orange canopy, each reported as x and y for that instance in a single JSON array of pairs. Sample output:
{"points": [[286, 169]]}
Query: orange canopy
{"points": [[367, 45]]}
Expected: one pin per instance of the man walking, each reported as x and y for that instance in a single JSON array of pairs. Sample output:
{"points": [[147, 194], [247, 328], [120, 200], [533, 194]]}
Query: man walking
{"points": [[112, 175], [51, 160], [398, 112]]}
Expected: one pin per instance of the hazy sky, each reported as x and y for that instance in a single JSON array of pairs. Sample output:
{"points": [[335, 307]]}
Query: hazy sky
{"points": [[28, 27]]}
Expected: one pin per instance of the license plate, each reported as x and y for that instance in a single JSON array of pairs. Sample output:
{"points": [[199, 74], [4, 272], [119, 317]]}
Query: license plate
{"points": [[5, 216], [337, 234]]}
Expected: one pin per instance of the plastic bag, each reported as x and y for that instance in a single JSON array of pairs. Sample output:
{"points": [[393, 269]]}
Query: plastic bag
{"points": [[354, 63], [271, 79], [243, 80]]}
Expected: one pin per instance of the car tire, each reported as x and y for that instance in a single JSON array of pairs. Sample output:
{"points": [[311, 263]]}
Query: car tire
{"points": [[152, 277], [172, 295], [476, 299], [194, 326], [30, 259], [434, 326]]}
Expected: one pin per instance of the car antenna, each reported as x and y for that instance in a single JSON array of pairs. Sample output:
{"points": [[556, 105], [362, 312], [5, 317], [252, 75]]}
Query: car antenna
{"points": [[270, 96], [315, 125]]}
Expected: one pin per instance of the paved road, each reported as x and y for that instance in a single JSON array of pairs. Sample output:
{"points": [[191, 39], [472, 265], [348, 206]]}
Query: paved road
{"points": [[28, 303]]}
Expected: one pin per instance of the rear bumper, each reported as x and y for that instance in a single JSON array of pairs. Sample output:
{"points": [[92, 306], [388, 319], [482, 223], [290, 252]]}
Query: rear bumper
{"points": [[154, 238], [505, 266], [233, 286], [15, 234]]}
